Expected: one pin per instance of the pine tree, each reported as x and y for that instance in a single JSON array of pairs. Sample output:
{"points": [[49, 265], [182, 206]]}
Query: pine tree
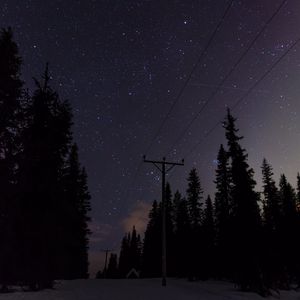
{"points": [[46, 142], [134, 251], [130, 254], [298, 192], [288, 199], [182, 229], [112, 269], [151, 255], [170, 251], [274, 273], [76, 206], [271, 199], [208, 239], [289, 228], [194, 197], [222, 214], [10, 98], [246, 221], [124, 259]]}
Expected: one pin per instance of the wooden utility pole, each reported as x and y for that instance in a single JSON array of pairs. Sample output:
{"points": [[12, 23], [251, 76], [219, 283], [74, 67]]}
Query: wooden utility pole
{"points": [[163, 171], [105, 264]]}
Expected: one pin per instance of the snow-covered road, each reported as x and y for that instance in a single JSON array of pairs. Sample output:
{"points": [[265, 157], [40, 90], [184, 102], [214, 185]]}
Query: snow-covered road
{"points": [[142, 289]]}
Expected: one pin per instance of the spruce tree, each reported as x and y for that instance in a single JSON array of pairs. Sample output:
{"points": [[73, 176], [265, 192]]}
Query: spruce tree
{"points": [[134, 251], [182, 229], [169, 231], [46, 142], [194, 197], [10, 98], [289, 228], [222, 214], [151, 255], [274, 273], [208, 240], [298, 192], [246, 220], [271, 200], [112, 269], [130, 254], [124, 259], [76, 206]]}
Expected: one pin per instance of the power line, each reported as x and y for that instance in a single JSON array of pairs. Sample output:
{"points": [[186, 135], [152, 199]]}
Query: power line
{"points": [[232, 69], [190, 75], [248, 92]]}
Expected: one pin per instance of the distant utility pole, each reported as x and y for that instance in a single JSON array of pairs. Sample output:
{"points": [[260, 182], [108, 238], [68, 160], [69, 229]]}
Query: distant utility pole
{"points": [[161, 166], [105, 264]]}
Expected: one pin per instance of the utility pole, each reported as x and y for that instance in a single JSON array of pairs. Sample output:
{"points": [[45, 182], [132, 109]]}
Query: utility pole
{"points": [[163, 171], [105, 264]]}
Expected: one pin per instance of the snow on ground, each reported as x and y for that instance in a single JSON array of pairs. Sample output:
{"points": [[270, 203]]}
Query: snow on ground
{"points": [[142, 289]]}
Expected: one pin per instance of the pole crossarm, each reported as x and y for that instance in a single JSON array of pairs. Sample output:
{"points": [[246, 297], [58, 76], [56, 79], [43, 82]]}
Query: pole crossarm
{"points": [[164, 162]]}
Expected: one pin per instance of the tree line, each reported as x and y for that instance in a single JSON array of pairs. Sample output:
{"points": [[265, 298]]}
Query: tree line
{"points": [[44, 201], [241, 235]]}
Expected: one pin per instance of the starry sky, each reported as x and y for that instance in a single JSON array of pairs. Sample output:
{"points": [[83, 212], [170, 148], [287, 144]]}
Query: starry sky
{"points": [[123, 65]]}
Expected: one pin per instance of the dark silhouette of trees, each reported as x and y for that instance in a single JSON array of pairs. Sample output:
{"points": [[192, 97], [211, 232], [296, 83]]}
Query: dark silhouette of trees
{"points": [[46, 141], [289, 227], [45, 205], [222, 215], [182, 228], [194, 196], [76, 202], [130, 254], [298, 192], [208, 240], [151, 260], [238, 236], [246, 221], [11, 90], [124, 259], [169, 231], [44, 201], [272, 261], [135, 250], [112, 269], [271, 202]]}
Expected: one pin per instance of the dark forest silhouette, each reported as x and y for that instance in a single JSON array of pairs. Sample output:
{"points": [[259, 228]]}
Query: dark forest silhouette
{"points": [[44, 201], [241, 236]]}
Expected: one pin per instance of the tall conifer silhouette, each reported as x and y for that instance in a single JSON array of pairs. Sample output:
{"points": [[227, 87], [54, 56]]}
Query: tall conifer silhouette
{"points": [[222, 215], [46, 142], [10, 96], [194, 196], [271, 247], [76, 207], [246, 220], [181, 231], [151, 259]]}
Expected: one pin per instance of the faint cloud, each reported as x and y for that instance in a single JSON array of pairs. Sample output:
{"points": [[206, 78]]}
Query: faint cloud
{"points": [[138, 217]]}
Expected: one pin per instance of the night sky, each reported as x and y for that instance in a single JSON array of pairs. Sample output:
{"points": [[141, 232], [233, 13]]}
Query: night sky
{"points": [[122, 64]]}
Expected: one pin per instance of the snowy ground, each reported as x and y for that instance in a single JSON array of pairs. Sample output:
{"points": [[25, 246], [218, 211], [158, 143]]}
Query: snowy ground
{"points": [[142, 289]]}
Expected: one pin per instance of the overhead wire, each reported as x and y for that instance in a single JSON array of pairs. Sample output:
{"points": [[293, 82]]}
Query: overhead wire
{"points": [[242, 98], [232, 69], [203, 52]]}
